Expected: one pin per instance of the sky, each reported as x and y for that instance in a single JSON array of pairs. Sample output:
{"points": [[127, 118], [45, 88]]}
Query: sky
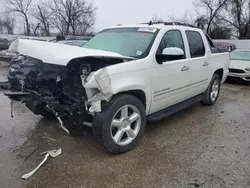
{"points": [[113, 12]]}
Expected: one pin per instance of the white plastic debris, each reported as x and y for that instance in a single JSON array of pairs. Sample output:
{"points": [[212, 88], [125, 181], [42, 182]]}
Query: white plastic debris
{"points": [[52, 153], [62, 126]]}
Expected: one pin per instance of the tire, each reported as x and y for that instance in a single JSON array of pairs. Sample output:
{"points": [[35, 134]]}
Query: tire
{"points": [[114, 139], [212, 93]]}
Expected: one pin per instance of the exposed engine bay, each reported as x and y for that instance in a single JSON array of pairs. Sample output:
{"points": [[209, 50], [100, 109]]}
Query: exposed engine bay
{"points": [[56, 90]]}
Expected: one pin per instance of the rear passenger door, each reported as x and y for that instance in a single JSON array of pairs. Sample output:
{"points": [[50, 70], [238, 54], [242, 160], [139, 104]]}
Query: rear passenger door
{"points": [[199, 63]]}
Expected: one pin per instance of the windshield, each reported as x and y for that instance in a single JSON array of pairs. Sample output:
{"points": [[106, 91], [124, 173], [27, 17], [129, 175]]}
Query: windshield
{"points": [[243, 55], [132, 42]]}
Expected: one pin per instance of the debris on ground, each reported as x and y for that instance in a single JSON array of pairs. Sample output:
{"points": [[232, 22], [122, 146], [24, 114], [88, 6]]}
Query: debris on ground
{"points": [[52, 153], [46, 136], [220, 147], [196, 184], [62, 125]]}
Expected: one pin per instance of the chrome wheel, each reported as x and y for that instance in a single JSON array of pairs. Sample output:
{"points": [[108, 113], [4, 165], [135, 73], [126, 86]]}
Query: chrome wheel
{"points": [[215, 90], [125, 125]]}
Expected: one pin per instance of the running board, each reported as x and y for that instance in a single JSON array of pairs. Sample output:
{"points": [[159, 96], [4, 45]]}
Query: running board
{"points": [[157, 116]]}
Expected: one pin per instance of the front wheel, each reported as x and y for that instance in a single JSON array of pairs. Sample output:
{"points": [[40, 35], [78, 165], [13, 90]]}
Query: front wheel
{"points": [[120, 124], [212, 93]]}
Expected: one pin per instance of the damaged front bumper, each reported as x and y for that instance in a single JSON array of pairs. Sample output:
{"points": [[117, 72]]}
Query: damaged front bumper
{"points": [[71, 92], [46, 88], [97, 87]]}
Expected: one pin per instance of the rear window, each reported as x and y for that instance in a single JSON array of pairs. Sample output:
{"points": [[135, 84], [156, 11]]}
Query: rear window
{"points": [[242, 55], [196, 45]]}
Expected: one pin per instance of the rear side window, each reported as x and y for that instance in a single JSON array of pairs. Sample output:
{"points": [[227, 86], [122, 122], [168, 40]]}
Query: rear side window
{"points": [[196, 45]]}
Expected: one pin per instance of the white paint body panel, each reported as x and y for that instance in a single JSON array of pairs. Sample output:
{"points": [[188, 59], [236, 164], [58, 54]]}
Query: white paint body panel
{"points": [[241, 65], [54, 53], [163, 84], [238, 64]]}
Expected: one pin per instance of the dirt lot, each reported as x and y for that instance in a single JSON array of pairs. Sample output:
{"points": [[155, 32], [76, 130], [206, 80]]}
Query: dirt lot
{"points": [[205, 147]]}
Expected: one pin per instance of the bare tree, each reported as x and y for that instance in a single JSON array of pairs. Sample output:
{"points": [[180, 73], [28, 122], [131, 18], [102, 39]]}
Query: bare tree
{"points": [[156, 19], [42, 15], [8, 22], [22, 7], [35, 28], [213, 8], [237, 15], [187, 18], [72, 16], [201, 21], [1, 27]]}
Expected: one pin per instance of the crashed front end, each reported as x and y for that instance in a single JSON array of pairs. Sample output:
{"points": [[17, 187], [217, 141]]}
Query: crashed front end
{"points": [[74, 91]]}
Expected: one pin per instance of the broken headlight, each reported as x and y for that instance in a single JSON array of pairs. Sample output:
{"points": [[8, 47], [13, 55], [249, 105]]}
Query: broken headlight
{"points": [[99, 80]]}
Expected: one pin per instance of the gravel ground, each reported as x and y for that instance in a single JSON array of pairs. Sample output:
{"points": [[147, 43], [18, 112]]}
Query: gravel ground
{"points": [[205, 147]]}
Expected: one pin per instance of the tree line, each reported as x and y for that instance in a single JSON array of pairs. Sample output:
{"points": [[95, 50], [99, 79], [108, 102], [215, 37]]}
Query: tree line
{"points": [[225, 18], [221, 19], [68, 17]]}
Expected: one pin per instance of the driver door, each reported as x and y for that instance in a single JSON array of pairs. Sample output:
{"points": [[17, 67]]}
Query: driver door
{"points": [[171, 79]]}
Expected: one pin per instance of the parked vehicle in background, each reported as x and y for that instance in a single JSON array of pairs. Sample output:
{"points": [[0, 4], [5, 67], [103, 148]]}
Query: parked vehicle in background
{"points": [[79, 43], [240, 64], [224, 46], [85, 38], [4, 44], [122, 77], [6, 55]]}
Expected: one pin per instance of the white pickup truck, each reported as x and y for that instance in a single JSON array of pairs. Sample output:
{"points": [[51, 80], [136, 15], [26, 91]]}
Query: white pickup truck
{"points": [[121, 78]]}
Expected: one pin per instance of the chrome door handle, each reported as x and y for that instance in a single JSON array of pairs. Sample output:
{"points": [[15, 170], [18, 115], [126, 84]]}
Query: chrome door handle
{"points": [[185, 68], [205, 64]]}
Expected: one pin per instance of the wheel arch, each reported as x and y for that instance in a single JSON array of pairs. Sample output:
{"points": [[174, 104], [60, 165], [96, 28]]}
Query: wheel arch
{"points": [[220, 72], [139, 93]]}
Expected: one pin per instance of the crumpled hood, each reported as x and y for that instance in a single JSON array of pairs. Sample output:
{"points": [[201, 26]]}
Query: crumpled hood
{"points": [[239, 64], [58, 54]]}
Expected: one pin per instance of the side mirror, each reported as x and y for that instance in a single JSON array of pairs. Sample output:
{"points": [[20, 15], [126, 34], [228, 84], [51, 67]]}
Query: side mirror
{"points": [[170, 54], [173, 51]]}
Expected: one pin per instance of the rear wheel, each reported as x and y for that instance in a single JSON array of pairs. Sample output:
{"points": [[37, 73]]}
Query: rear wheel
{"points": [[212, 93], [120, 124]]}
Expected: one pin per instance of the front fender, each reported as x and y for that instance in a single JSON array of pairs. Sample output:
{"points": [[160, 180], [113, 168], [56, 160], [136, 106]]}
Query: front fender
{"points": [[100, 86], [122, 83]]}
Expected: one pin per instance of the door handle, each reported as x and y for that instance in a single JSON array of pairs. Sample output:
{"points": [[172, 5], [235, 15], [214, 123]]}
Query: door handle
{"points": [[185, 68], [205, 64]]}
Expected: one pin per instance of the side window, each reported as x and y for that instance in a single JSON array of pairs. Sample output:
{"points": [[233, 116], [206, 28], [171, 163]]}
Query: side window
{"points": [[171, 38], [196, 45]]}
